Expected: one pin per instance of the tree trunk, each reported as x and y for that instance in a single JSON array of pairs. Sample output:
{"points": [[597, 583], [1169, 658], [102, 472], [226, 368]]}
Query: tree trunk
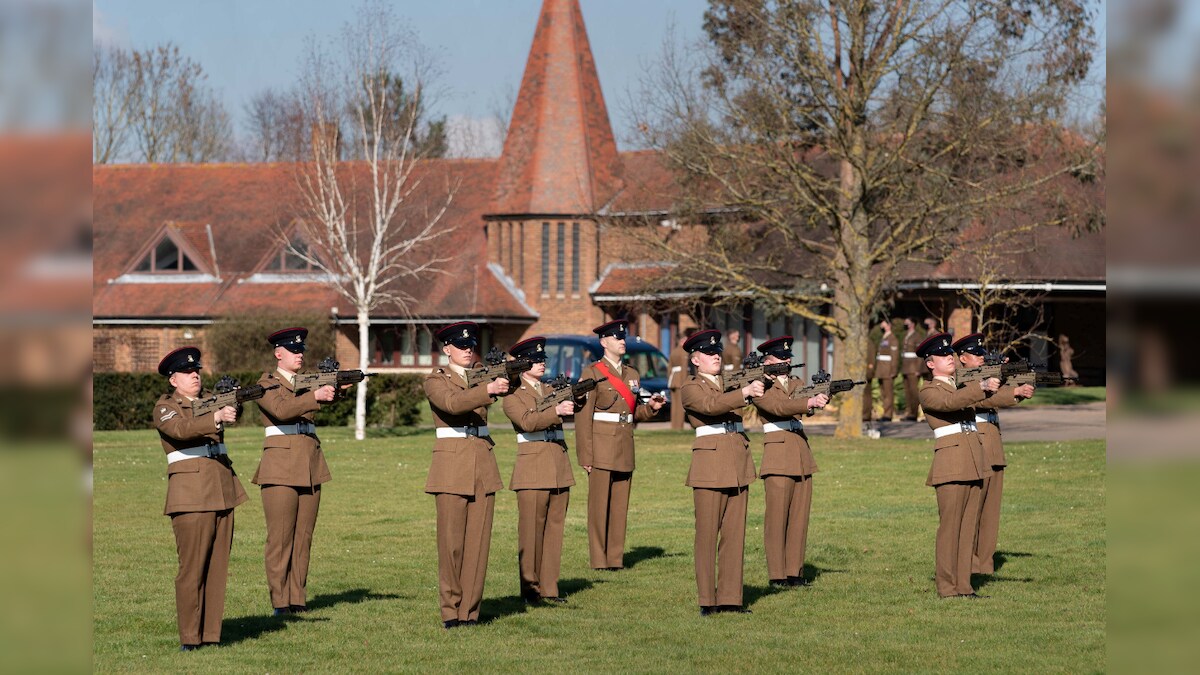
{"points": [[852, 352], [360, 407]]}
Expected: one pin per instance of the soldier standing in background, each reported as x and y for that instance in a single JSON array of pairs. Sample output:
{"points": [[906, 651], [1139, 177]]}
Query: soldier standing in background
{"points": [[720, 475], [291, 472], [910, 367], [202, 491], [732, 358], [678, 373], [541, 477], [463, 475], [887, 364], [604, 445]]}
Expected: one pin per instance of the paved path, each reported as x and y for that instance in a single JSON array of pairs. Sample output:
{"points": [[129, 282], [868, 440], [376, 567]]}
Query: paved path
{"points": [[1032, 423]]}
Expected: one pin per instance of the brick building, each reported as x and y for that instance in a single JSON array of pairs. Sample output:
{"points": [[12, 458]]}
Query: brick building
{"points": [[179, 246]]}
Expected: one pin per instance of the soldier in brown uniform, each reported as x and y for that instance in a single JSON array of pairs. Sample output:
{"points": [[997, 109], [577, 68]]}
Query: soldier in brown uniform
{"points": [[787, 468], [970, 354], [541, 477], [887, 364], [290, 473], [959, 466], [868, 402], [604, 445], [678, 364], [202, 490], [720, 475], [463, 476], [910, 368], [733, 355]]}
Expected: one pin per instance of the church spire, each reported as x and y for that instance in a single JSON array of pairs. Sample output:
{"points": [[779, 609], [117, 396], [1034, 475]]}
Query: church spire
{"points": [[559, 156]]}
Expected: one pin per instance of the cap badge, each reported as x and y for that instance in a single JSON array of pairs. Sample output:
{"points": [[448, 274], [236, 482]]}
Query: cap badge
{"points": [[190, 359], [465, 333]]}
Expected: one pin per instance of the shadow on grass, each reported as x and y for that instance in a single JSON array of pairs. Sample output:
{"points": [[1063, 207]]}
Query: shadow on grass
{"points": [[494, 609], [752, 594], [1001, 557], [978, 581], [353, 596], [812, 572], [242, 628], [641, 553]]}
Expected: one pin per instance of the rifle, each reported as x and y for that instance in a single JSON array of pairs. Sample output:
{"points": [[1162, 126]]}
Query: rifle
{"points": [[993, 366], [564, 391], [229, 392], [495, 366], [753, 369], [1040, 378], [822, 383], [329, 375]]}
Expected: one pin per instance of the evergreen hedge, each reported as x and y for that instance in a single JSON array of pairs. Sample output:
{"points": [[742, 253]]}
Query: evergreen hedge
{"points": [[126, 401]]}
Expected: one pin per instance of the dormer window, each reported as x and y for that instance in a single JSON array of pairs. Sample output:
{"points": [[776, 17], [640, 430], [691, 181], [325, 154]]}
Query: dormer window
{"points": [[166, 257], [286, 259]]}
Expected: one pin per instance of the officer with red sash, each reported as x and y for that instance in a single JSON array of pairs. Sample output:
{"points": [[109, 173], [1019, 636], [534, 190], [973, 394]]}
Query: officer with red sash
{"points": [[604, 444]]}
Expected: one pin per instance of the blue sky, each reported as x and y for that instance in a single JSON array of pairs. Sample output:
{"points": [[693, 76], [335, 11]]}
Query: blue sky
{"points": [[248, 45]]}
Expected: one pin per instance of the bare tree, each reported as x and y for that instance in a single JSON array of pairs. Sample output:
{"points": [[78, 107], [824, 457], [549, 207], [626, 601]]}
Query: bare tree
{"points": [[849, 138], [371, 224], [114, 87], [277, 128]]}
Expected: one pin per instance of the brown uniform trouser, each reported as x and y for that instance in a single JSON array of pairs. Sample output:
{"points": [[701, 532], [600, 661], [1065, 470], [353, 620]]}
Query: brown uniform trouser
{"points": [[677, 414], [785, 524], [887, 396], [989, 523], [868, 401], [911, 396], [608, 509], [541, 516], [464, 538], [203, 541], [291, 515], [720, 542], [958, 512]]}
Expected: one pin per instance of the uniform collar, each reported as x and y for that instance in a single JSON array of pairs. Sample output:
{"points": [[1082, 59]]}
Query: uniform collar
{"points": [[715, 379], [290, 377], [947, 380], [615, 367], [533, 382]]}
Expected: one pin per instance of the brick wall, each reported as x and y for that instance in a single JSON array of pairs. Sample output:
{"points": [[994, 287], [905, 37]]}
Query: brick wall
{"points": [[134, 349]]}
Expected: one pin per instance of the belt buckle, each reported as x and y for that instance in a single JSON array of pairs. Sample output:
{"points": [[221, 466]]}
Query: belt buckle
{"points": [[624, 418], [969, 427], [210, 450], [730, 427], [471, 431]]}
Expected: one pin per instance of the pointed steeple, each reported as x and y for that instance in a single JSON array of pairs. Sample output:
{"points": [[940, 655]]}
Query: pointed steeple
{"points": [[559, 156]]}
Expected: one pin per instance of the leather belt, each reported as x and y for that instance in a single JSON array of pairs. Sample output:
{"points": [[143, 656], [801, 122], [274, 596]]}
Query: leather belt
{"points": [[723, 428], [462, 432], [623, 418], [291, 429], [956, 428], [207, 450], [547, 435], [992, 417], [789, 425]]}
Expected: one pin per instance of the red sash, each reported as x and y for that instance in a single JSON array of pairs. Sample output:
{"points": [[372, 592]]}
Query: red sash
{"points": [[620, 386]]}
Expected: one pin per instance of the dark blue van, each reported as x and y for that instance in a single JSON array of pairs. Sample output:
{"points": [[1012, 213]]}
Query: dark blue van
{"points": [[568, 354]]}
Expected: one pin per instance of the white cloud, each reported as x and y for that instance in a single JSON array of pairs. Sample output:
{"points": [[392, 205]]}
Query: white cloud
{"points": [[474, 136], [103, 32]]}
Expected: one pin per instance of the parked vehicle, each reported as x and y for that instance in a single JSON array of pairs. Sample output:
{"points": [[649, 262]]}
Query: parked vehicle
{"points": [[568, 354]]}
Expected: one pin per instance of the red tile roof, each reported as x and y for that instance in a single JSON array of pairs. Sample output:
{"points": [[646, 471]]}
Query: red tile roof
{"points": [[248, 206], [559, 156]]}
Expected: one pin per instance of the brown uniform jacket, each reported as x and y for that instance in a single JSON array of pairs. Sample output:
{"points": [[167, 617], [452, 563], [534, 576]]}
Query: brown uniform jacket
{"points": [[872, 351], [201, 483], [993, 444], [911, 365], [785, 453], [889, 345], [293, 459], [732, 358], [956, 457], [607, 445], [719, 460], [541, 465], [460, 466], [679, 359]]}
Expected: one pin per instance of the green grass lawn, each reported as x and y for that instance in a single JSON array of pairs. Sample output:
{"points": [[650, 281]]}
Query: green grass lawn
{"points": [[373, 581]]}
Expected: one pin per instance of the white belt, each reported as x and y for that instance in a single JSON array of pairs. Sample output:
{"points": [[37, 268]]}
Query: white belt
{"points": [[991, 418], [291, 429], [461, 432], [623, 418], [956, 428], [210, 450], [884, 357], [790, 425], [714, 429], [910, 355], [549, 435]]}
